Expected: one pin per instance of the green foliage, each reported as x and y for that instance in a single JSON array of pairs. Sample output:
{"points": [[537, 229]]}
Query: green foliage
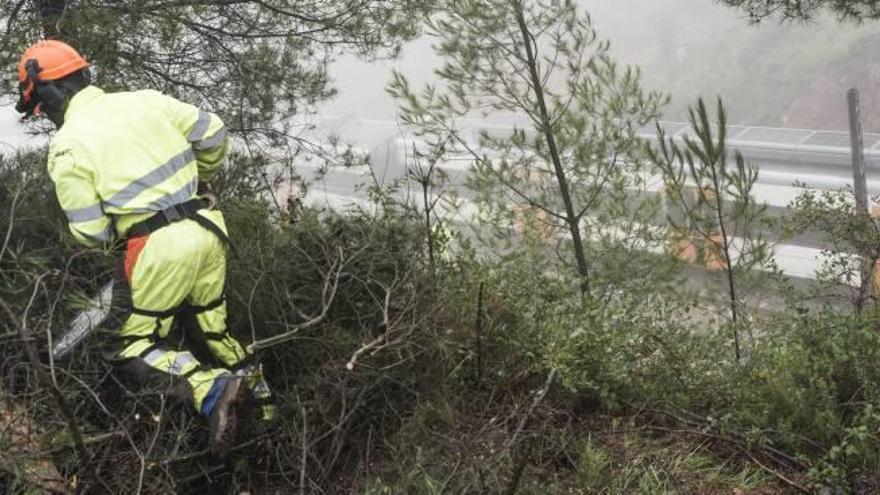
{"points": [[807, 387], [255, 63], [812, 388], [801, 10], [577, 160], [594, 468], [851, 240], [716, 204], [857, 454]]}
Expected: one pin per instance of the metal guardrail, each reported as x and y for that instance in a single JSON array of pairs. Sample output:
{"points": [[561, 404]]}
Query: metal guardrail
{"points": [[818, 159], [785, 157]]}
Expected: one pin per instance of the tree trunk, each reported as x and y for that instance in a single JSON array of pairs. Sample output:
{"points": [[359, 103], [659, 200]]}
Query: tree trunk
{"points": [[571, 218], [52, 14], [728, 261]]}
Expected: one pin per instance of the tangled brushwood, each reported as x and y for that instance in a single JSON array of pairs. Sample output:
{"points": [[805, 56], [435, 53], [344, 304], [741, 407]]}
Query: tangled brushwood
{"points": [[341, 309], [398, 371]]}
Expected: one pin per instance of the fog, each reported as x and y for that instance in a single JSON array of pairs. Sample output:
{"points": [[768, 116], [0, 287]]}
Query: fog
{"points": [[792, 75]]}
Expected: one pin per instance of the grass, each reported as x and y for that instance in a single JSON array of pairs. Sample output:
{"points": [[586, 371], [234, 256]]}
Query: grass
{"points": [[450, 448]]}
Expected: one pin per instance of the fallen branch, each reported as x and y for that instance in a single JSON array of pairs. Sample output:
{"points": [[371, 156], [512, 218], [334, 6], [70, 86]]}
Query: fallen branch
{"points": [[774, 472], [378, 341], [354, 358], [328, 295], [705, 426]]}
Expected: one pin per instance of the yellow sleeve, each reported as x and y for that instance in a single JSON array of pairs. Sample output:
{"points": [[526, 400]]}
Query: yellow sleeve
{"points": [[204, 130], [75, 187]]}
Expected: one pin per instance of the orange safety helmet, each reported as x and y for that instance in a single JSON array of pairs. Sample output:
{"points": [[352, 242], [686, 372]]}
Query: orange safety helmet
{"points": [[47, 60]]}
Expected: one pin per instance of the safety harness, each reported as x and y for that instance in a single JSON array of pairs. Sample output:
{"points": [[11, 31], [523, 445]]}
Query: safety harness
{"points": [[181, 211], [189, 210], [176, 213]]}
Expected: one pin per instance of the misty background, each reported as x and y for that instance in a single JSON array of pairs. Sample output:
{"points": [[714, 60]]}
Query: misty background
{"points": [[790, 75]]}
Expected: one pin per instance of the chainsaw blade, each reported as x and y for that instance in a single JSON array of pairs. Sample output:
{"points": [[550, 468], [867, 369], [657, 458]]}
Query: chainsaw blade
{"points": [[95, 312]]}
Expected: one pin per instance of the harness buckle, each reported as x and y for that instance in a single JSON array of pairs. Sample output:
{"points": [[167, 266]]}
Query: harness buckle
{"points": [[172, 214]]}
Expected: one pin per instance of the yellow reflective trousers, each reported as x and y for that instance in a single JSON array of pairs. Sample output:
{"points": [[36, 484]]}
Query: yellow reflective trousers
{"points": [[180, 266]]}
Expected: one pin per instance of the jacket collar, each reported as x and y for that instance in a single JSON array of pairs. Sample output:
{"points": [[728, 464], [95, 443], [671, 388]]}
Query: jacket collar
{"points": [[82, 98]]}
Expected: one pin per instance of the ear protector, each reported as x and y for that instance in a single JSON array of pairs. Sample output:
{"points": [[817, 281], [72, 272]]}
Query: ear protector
{"points": [[34, 93]]}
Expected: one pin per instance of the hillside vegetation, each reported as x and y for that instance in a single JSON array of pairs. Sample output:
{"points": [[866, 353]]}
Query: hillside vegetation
{"points": [[563, 341]]}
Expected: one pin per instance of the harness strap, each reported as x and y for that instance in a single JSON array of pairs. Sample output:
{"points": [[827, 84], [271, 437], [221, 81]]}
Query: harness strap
{"points": [[166, 217], [191, 372], [215, 336], [150, 348], [216, 230], [193, 309], [196, 309], [181, 211], [155, 314], [248, 360]]}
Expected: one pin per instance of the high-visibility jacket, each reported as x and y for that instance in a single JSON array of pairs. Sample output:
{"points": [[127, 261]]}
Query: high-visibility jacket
{"points": [[111, 170]]}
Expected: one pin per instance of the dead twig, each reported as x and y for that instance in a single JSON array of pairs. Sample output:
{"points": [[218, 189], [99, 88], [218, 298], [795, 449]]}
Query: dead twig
{"points": [[328, 295], [479, 333], [523, 460], [372, 345], [11, 222], [774, 472], [378, 341], [305, 450]]}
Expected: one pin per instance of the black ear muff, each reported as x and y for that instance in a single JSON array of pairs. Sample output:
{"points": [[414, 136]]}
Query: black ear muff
{"points": [[25, 104], [48, 95]]}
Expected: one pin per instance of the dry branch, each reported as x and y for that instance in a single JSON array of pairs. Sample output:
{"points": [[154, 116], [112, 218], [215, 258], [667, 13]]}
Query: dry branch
{"points": [[328, 294], [360, 352]]}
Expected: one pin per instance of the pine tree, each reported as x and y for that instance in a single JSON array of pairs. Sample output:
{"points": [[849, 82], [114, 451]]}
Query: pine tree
{"points": [[722, 214], [541, 62], [256, 63]]}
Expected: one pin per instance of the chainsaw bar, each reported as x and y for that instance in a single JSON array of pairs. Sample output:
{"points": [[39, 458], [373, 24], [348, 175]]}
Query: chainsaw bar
{"points": [[95, 312]]}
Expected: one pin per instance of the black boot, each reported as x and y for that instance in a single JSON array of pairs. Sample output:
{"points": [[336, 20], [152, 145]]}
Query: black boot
{"points": [[224, 418]]}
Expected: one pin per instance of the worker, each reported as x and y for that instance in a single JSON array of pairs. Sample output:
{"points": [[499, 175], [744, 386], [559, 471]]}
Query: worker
{"points": [[136, 168]]}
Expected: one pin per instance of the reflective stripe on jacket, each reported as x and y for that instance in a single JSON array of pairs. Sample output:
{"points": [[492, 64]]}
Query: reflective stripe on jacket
{"points": [[119, 157]]}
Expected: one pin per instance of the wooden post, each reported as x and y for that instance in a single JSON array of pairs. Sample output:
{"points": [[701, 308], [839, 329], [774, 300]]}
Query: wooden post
{"points": [[860, 185]]}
